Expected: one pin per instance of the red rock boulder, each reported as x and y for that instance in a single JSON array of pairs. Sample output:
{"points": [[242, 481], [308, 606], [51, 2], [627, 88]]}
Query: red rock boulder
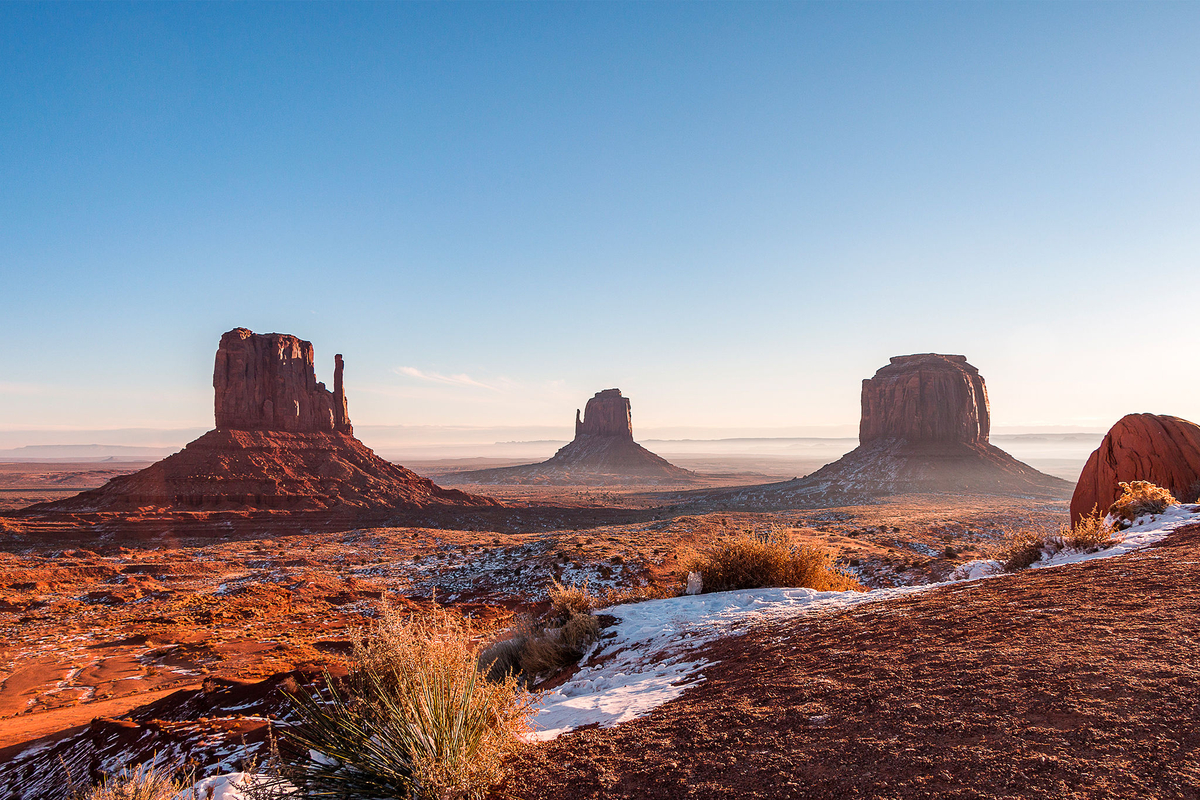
{"points": [[1140, 447]]}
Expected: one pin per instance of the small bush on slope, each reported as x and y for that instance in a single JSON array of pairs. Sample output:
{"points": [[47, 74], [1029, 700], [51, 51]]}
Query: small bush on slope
{"points": [[415, 719], [535, 648], [1022, 548], [1139, 498], [752, 561]]}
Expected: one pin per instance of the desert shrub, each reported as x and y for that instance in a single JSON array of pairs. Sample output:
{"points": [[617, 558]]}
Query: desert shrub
{"points": [[567, 600], [1139, 498], [533, 648], [1090, 533], [146, 782], [752, 561], [415, 718], [1021, 548], [614, 596]]}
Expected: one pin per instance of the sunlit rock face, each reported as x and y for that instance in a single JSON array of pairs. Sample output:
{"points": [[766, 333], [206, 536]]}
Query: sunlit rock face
{"points": [[1140, 447], [927, 397], [266, 382]]}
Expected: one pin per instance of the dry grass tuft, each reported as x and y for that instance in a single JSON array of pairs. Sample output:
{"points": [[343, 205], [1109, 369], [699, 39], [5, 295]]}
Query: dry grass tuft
{"points": [[1021, 548], [545, 647], [752, 561], [567, 600], [145, 782], [415, 719], [1139, 498]]}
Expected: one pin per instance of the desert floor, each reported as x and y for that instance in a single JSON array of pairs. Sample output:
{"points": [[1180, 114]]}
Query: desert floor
{"points": [[109, 629]]}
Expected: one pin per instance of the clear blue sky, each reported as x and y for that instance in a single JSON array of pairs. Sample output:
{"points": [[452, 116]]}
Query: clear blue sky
{"points": [[732, 212]]}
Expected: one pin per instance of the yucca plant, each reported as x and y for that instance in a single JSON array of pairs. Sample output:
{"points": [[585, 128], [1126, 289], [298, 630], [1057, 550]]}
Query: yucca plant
{"points": [[414, 720]]}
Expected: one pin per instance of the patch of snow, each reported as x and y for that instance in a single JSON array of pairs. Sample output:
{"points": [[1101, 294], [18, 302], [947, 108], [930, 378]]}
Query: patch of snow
{"points": [[1144, 532], [642, 661], [230, 786]]}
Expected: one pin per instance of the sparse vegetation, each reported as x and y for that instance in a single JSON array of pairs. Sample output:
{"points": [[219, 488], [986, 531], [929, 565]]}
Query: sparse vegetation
{"points": [[146, 782], [415, 719], [1021, 548], [755, 560], [1139, 498], [560, 639]]}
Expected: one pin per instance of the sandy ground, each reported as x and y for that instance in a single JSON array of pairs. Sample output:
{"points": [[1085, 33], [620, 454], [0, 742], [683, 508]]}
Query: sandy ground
{"points": [[1076, 682], [80, 626], [25, 483]]}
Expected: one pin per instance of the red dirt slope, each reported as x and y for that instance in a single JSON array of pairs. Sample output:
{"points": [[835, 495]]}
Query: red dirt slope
{"points": [[1076, 682], [231, 469]]}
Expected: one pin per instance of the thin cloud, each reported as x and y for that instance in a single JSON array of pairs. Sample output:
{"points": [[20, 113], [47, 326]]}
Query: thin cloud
{"points": [[451, 380]]}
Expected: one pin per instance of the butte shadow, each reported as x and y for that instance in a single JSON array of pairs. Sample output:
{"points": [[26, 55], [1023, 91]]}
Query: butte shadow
{"points": [[283, 442], [603, 453], [924, 430]]}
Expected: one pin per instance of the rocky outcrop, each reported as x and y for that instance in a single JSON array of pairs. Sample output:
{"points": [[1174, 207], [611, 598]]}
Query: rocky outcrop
{"points": [[226, 470], [267, 382], [283, 442], [606, 414], [603, 452], [925, 398], [924, 429], [1140, 447]]}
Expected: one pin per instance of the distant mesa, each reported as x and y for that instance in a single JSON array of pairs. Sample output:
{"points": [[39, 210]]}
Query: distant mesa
{"points": [[1140, 447], [924, 429], [603, 452], [283, 441]]}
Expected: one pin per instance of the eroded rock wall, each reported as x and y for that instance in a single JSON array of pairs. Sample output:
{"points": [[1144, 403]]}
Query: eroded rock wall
{"points": [[266, 382], [927, 397]]}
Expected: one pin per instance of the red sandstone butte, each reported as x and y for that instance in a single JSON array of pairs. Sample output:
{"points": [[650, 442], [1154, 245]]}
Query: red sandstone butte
{"points": [[1140, 447], [283, 441], [924, 428], [925, 398], [266, 382], [603, 452]]}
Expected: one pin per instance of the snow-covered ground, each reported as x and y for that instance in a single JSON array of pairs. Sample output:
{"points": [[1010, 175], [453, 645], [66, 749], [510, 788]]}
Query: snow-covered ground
{"points": [[648, 657]]}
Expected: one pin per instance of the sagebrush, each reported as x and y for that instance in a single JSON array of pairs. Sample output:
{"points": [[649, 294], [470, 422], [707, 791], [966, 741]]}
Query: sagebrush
{"points": [[1021, 548], [756, 560], [145, 782]]}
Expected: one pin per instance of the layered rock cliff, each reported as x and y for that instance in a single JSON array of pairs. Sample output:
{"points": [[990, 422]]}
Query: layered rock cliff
{"points": [[925, 398], [1140, 447], [267, 382], [603, 452], [924, 428], [283, 441]]}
